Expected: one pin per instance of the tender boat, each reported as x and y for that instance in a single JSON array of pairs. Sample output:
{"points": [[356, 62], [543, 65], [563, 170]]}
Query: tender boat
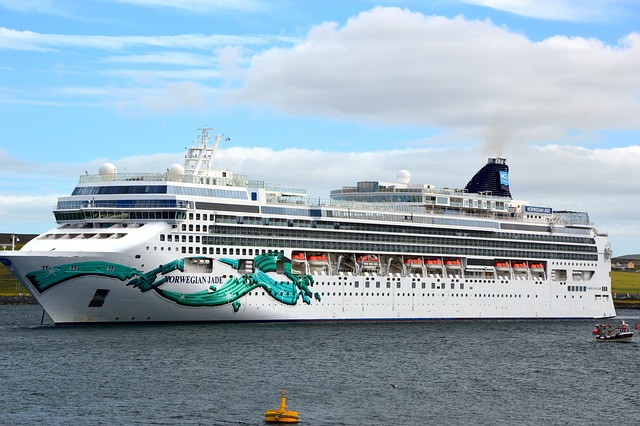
{"points": [[414, 263], [297, 256], [434, 263], [501, 266], [452, 264], [519, 266], [608, 333], [281, 415]]}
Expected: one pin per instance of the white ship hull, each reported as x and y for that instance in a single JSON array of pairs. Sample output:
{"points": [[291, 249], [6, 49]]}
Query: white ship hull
{"points": [[417, 296]]}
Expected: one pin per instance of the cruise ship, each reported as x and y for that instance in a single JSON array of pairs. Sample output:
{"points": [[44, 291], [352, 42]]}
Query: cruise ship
{"points": [[198, 244]]}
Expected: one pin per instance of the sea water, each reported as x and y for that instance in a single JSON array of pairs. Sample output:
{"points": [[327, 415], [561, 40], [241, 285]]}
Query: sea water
{"points": [[335, 373]]}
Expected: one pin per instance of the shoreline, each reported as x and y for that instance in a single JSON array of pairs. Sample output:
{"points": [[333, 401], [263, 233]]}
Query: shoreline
{"points": [[18, 300]]}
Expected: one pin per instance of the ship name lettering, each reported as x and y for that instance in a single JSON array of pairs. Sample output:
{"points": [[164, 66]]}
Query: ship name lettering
{"points": [[193, 279]]}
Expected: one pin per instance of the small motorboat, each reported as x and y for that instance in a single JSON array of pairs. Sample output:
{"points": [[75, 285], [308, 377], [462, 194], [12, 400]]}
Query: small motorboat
{"points": [[281, 415], [608, 333]]}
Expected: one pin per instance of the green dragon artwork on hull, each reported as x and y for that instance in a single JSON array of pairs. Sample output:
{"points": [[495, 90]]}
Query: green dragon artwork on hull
{"points": [[288, 292]]}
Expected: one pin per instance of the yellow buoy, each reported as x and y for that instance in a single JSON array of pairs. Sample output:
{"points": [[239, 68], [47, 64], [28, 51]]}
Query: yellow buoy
{"points": [[281, 415]]}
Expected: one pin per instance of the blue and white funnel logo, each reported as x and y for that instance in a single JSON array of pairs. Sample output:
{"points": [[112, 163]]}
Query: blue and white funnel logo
{"points": [[504, 178]]}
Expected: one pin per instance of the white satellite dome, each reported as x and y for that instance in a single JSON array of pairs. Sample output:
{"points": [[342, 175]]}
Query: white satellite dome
{"points": [[107, 169], [176, 169], [404, 176]]}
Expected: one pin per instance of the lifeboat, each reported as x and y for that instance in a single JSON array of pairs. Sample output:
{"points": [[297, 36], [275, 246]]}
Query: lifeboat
{"points": [[368, 261], [434, 263], [452, 264], [520, 266], [317, 259], [413, 262], [501, 266], [297, 255], [281, 415]]}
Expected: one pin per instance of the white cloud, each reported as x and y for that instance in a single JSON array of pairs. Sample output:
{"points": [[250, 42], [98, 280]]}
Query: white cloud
{"points": [[203, 6], [48, 7], [11, 39], [146, 75], [547, 175], [558, 10], [164, 58], [393, 66], [26, 213], [66, 8], [551, 175]]}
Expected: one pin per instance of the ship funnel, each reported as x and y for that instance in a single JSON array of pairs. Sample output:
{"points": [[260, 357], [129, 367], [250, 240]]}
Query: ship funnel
{"points": [[493, 178]]}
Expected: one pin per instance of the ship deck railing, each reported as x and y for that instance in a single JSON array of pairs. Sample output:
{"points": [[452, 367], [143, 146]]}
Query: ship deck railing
{"points": [[353, 207], [235, 180]]}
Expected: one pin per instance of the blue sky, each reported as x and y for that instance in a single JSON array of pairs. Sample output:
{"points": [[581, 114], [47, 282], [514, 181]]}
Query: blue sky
{"points": [[324, 93]]}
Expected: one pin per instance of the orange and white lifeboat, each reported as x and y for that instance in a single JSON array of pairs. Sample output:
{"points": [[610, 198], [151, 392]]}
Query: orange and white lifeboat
{"points": [[536, 266], [452, 264], [501, 265], [317, 259], [297, 256], [519, 266], [414, 262], [433, 263]]}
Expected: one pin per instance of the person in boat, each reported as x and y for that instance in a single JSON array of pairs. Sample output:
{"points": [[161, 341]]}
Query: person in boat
{"points": [[624, 326]]}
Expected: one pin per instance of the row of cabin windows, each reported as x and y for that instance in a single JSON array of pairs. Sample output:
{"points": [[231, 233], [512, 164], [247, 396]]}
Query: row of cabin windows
{"points": [[365, 294], [204, 216], [302, 234], [413, 285]]}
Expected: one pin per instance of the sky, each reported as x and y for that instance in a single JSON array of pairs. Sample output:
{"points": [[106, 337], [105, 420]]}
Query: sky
{"points": [[318, 94]]}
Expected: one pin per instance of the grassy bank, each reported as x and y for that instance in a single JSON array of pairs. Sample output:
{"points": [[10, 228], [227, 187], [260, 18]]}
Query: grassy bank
{"points": [[621, 282]]}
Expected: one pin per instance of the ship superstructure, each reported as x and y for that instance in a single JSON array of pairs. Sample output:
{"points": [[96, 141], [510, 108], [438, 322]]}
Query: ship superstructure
{"points": [[199, 244]]}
